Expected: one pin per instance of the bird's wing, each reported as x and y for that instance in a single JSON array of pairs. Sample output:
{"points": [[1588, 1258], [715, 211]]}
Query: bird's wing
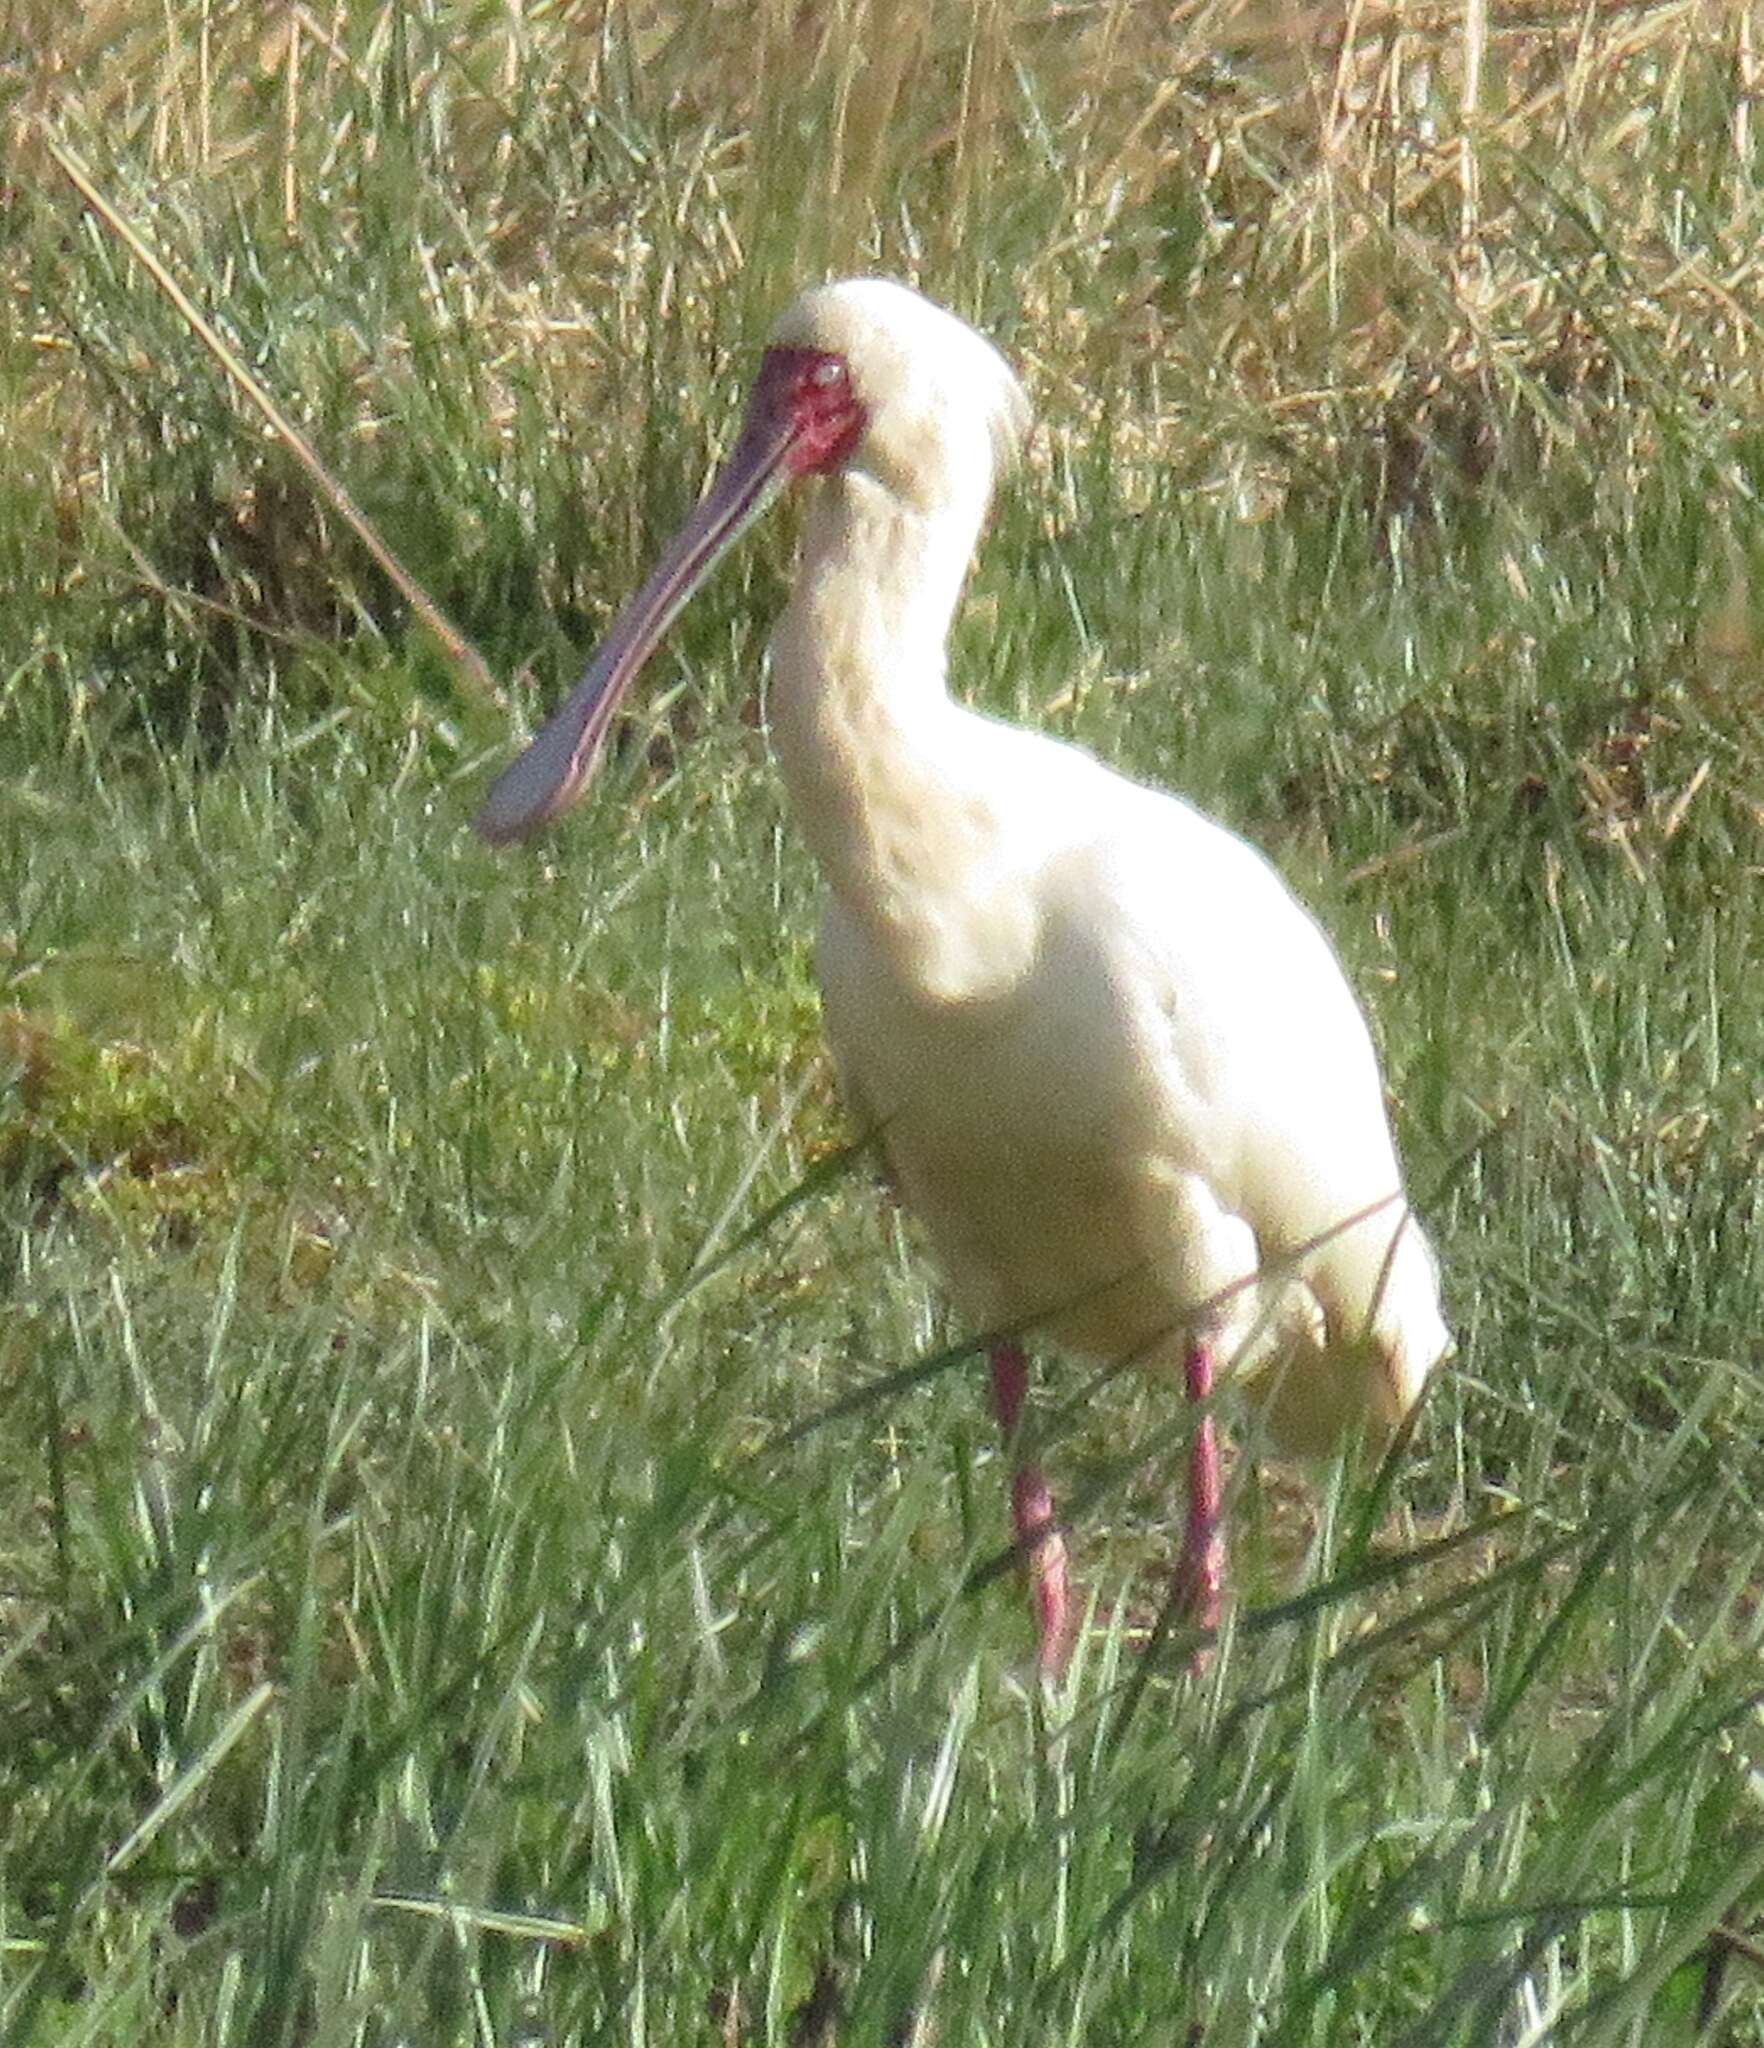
{"points": [[1260, 1064]]}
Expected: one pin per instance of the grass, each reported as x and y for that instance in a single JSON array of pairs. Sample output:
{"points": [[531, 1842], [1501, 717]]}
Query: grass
{"points": [[501, 1540]]}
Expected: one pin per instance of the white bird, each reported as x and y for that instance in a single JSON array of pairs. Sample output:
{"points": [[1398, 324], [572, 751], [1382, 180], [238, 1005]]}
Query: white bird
{"points": [[1115, 1066]]}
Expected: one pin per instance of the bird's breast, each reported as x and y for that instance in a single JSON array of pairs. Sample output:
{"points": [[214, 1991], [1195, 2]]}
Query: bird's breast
{"points": [[1025, 1135]]}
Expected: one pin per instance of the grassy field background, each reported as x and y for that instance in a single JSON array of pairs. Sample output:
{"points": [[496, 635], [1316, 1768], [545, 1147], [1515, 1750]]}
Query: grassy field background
{"points": [[478, 1563]]}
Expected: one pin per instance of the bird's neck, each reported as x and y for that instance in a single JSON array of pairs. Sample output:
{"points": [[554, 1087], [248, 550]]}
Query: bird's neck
{"points": [[885, 772]]}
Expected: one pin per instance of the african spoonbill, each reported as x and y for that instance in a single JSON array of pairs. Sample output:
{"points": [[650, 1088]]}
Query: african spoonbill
{"points": [[1115, 1066]]}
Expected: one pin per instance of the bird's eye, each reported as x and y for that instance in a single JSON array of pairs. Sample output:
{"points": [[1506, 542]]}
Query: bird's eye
{"points": [[829, 371]]}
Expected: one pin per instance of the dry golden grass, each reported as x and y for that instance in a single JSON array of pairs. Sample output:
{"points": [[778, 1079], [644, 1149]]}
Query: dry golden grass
{"points": [[1297, 217], [1400, 257]]}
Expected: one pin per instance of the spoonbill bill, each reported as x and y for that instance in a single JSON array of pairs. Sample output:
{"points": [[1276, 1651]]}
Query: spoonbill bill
{"points": [[1116, 1068]]}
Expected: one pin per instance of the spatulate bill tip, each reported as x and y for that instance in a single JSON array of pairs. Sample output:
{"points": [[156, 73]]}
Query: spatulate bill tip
{"points": [[505, 821], [542, 780], [508, 824], [496, 830]]}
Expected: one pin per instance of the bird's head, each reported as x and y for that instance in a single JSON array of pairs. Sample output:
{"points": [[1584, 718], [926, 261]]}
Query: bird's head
{"points": [[865, 376], [869, 375]]}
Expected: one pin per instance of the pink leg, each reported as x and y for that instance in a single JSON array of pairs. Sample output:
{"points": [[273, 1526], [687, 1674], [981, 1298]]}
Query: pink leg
{"points": [[1202, 1569], [1042, 1547]]}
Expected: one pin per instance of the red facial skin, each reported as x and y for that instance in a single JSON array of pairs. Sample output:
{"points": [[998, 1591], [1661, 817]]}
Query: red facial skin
{"points": [[811, 389]]}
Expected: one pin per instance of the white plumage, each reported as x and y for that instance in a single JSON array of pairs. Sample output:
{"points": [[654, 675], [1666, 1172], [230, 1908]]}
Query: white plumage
{"points": [[1115, 1065]]}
